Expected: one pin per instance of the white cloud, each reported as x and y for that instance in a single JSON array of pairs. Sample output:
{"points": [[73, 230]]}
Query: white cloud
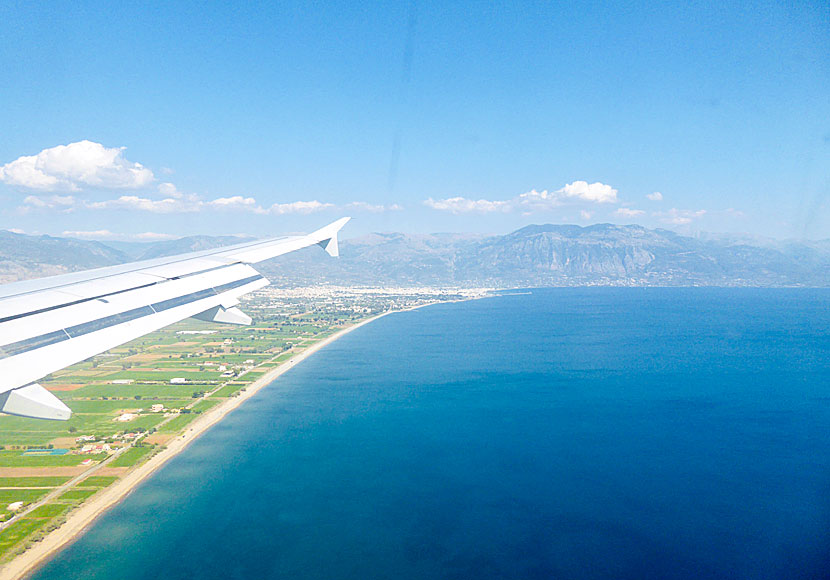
{"points": [[152, 236], [464, 205], [236, 203], [181, 204], [169, 190], [173, 205], [303, 207], [176, 202], [679, 217], [60, 203], [533, 200], [108, 235], [76, 166], [578, 191], [89, 234], [586, 215], [656, 196], [593, 192], [16, 231], [628, 212], [373, 208], [134, 202]]}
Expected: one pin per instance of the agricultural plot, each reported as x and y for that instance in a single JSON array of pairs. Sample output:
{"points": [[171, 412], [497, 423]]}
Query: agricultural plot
{"points": [[25, 495], [229, 390], [17, 459], [178, 424], [77, 495], [98, 481], [131, 456]]}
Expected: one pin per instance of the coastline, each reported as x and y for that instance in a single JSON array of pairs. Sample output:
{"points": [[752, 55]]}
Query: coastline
{"points": [[85, 515]]}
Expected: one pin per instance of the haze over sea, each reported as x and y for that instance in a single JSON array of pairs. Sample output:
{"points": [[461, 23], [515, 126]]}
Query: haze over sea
{"points": [[564, 433]]}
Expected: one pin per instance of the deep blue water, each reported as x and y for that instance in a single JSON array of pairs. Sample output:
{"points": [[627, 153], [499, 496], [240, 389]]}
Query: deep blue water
{"points": [[570, 433]]}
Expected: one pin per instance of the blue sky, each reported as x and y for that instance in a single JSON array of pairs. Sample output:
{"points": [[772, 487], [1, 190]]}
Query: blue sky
{"points": [[141, 121]]}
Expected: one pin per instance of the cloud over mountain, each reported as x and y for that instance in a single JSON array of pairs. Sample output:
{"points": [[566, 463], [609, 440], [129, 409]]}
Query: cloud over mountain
{"points": [[531, 201]]}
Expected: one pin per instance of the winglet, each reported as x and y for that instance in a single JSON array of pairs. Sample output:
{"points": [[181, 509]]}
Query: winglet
{"points": [[327, 236]]}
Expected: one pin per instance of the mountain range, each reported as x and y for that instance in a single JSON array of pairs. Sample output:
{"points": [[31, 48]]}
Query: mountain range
{"points": [[537, 255]]}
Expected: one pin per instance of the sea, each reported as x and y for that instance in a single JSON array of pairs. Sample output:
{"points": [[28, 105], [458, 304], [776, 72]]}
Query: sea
{"points": [[590, 433]]}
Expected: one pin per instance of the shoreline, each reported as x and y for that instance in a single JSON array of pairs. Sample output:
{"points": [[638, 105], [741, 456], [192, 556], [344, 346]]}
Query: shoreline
{"points": [[85, 515]]}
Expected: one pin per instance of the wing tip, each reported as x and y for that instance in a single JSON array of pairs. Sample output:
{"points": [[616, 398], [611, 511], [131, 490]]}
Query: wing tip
{"points": [[327, 236]]}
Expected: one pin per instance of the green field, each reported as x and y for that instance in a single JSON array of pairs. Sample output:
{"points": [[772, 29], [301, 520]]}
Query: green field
{"points": [[49, 510], [140, 374], [18, 532], [77, 494], [97, 391], [98, 481], [228, 390], [178, 423], [204, 405], [110, 407], [8, 496], [32, 481], [131, 456], [17, 459]]}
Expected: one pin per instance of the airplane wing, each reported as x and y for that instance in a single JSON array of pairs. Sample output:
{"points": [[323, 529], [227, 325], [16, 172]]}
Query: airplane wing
{"points": [[50, 323]]}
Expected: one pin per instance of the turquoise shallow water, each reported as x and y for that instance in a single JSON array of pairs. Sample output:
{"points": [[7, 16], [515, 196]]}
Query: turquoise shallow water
{"points": [[569, 433]]}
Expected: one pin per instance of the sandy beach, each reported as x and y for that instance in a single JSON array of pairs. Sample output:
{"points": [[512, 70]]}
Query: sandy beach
{"points": [[79, 519]]}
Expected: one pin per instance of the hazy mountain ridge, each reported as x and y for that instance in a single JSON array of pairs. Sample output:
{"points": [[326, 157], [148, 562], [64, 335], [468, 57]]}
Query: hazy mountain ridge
{"points": [[23, 256], [554, 255], [188, 244], [537, 255]]}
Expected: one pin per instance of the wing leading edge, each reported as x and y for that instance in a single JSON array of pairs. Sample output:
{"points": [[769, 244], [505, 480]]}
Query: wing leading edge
{"points": [[50, 323]]}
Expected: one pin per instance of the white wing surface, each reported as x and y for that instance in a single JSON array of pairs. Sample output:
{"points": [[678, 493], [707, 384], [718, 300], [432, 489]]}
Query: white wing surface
{"points": [[50, 323]]}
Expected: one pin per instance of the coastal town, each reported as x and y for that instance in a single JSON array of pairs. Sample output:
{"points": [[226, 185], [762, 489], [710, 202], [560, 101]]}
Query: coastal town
{"points": [[132, 405]]}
